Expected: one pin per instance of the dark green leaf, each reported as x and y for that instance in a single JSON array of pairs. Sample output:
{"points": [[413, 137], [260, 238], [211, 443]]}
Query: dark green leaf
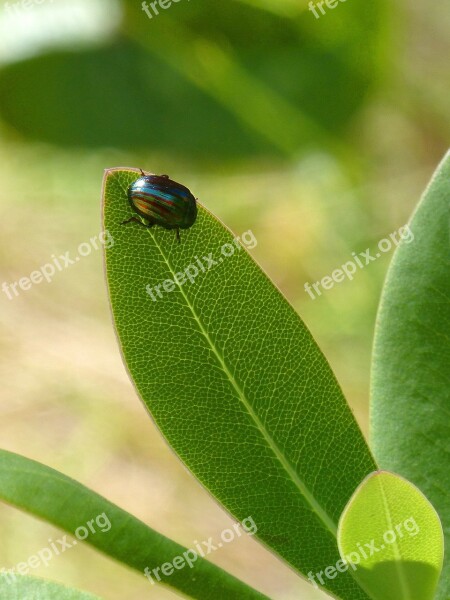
{"points": [[411, 374], [69, 505]]}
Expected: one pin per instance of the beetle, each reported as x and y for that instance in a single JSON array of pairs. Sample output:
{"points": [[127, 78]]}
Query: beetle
{"points": [[161, 201]]}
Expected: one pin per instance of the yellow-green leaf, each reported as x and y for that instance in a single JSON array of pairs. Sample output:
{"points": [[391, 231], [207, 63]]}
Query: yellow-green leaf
{"points": [[391, 538], [20, 587]]}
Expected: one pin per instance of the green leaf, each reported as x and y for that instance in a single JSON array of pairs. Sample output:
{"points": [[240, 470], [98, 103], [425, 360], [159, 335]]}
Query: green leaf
{"points": [[21, 587], [235, 382], [69, 505], [391, 539], [410, 371]]}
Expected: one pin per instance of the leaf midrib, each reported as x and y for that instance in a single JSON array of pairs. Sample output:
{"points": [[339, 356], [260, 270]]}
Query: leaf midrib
{"points": [[398, 562], [293, 475]]}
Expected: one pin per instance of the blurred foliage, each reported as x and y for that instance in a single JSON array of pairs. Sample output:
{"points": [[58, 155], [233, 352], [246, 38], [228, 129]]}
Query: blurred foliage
{"points": [[204, 79]]}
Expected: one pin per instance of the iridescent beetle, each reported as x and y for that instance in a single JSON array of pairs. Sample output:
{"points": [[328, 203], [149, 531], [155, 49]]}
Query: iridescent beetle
{"points": [[161, 201]]}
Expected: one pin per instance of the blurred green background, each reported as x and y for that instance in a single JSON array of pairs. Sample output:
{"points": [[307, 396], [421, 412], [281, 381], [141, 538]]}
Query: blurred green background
{"points": [[317, 134]]}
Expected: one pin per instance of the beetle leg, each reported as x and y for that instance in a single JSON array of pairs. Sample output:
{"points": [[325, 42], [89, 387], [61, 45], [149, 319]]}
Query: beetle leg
{"points": [[178, 235], [132, 220], [136, 220], [142, 173]]}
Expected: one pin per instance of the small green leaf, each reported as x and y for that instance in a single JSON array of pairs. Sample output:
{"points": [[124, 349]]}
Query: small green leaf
{"points": [[235, 381], [391, 537], [52, 496], [410, 372], [21, 587]]}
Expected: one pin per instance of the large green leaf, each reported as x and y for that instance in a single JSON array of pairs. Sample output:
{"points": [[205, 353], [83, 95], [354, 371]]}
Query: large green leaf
{"points": [[391, 538], [235, 382], [69, 505], [19, 587], [410, 379]]}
